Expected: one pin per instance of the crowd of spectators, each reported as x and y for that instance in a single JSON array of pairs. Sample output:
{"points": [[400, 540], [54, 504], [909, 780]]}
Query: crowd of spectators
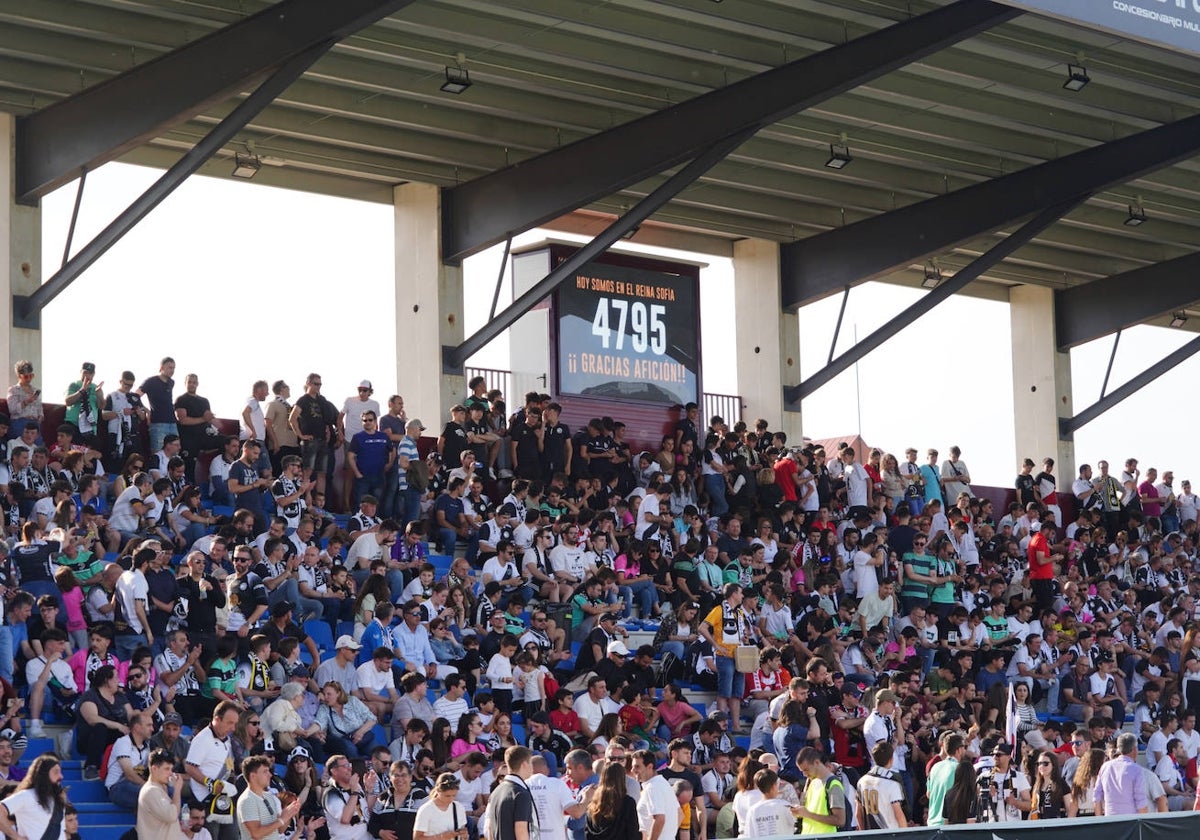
{"points": [[884, 647]]}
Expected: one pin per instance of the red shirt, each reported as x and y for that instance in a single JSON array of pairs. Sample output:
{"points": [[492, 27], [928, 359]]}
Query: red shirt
{"points": [[785, 477], [1038, 544]]}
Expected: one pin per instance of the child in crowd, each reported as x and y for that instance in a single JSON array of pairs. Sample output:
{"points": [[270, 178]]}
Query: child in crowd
{"points": [[532, 683], [564, 717], [500, 674]]}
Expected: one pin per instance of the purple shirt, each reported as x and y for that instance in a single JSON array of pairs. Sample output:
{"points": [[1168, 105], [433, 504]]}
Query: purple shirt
{"points": [[1121, 788]]}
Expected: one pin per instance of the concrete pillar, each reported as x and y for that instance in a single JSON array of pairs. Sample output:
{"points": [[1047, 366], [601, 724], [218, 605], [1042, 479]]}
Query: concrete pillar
{"points": [[1041, 382], [767, 343], [429, 308], [20, 260]]}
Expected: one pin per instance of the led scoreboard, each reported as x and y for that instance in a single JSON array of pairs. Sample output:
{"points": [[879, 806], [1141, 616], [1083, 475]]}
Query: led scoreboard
{"points": [[629, 333]]}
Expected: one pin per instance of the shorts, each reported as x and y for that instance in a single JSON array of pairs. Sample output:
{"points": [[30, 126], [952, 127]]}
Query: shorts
{"points": [[315, 455]]}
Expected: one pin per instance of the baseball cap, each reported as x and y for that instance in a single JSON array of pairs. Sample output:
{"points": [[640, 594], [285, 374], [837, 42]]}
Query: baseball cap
{"points": [[1002, 748], [347, 642], [366, 383], [369, 500], [718, 715], [507, 509], [415, 424], [172, 717], [299, 752], [885, 695], [852, 689], [281, 609], [300, 672], [89, 367], [618, 647], [608, 617]]}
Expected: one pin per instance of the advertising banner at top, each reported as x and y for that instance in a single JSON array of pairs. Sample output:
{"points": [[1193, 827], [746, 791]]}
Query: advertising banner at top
{"points": [[1168, 23]]}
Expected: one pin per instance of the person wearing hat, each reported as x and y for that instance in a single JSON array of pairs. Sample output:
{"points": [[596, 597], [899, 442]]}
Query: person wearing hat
{"points": [[84, 399], [453, 439], [612, 666], [342, 666], [412, 475], [1008, 788], [171, 739], [849, 717], [350, 423], [883, 726]]}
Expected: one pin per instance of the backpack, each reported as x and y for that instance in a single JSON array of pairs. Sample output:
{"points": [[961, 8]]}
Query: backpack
{"points": [[672, 668], [840, 779]]}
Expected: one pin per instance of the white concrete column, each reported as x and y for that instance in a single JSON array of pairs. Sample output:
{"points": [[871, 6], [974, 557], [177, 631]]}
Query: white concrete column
{"points": [[20, 259], [429, 307], [767, 341], [1041, 382]]}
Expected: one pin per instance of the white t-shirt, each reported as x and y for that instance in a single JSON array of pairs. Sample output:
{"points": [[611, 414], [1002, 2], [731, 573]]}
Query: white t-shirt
{"points": [[1156, 747], [857, 483], [468, 791], [770, 818], [124, 748], [878, 795], [123, 517], [589, 711], [132, 588], [742, 803], [1190, 741], [258, 423], [433, 820], [658, 797], [335, 805], [551, 798], [365, 550], [60, 672], [32, 817], [569, 559], [211, 756], [354, 409], [380, 682], [865, 580]]}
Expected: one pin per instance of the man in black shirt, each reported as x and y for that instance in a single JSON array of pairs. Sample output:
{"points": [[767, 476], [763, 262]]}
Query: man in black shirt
{"points": [[314, 420], [510, 814], [193, 413], [680, 765], [556, 451], [205, 596], [453, 440], [543, 738], [528, 445]]}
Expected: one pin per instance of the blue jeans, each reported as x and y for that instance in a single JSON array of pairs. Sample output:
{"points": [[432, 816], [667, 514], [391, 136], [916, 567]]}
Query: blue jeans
{"points": [[6, 652], [127, 643], [38, 588], [448, 539], [674, 647], [715, 484], [726, 674], [158, 431], [408, 506], [124, 794], [646, 594], [368, 485], [337, 744]]}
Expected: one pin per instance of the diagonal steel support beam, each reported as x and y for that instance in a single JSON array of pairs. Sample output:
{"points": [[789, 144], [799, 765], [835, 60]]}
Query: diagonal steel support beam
{"points": [[25, 309], [793, 395], [489, 209], [820, 265], [1067, 426], [454, 358], [108, 119], [1087, 312]]}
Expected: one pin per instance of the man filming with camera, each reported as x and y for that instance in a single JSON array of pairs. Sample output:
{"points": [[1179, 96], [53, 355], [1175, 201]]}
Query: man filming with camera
{"points": [[1004, 791]]}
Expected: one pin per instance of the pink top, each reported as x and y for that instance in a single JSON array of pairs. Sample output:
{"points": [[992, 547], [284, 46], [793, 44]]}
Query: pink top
{"points": [[673, 717], [630, 567], [74, 603], [460, 746]]}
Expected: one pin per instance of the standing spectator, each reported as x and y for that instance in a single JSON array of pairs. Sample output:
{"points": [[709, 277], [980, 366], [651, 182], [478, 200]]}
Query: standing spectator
{"points": [[1042, 561], [441, 817], [727, 627], [194, 416], [349, 423], [159, 390], [657, 808], [314, 420], [126, 418], [246, 483], [281, 438], [941, 778], [160, 799], [510, 810], [1120, 787], [369, 457], [39, 801], [84, 399], [131, 599], [24, 401]]}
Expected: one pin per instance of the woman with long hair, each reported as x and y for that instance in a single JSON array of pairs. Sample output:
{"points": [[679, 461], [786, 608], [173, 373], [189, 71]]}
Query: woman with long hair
{"points": [[247, 738], [1083, 785], [608, 728], [374, 590], [612, 813], [502, 732], [960, 805], [133, 465], [38, 801], [103, 717], [347, 722], [466, 738], [302, 779], [1027, 719], [1052, 799], [441, 735], [747, 794]]}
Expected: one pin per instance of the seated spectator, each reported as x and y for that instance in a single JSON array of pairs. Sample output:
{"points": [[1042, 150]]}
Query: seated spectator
{"points": [[376, 684], [128, 763], [346, 720], [171, 739], [103, 716]]}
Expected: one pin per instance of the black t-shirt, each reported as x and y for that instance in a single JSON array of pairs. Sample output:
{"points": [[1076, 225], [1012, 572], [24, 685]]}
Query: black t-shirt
{"points": [[671, 775], [192, 437], [162, 585], [554, 450], [455, 441], [1024, 485], [317, 416], [202, 612], [510, 803], [529, 459], [900, 539], [162, 406], [33, 561]]}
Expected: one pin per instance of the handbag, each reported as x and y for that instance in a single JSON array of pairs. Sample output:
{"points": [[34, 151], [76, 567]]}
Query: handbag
{"points": [[745, 659]]}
